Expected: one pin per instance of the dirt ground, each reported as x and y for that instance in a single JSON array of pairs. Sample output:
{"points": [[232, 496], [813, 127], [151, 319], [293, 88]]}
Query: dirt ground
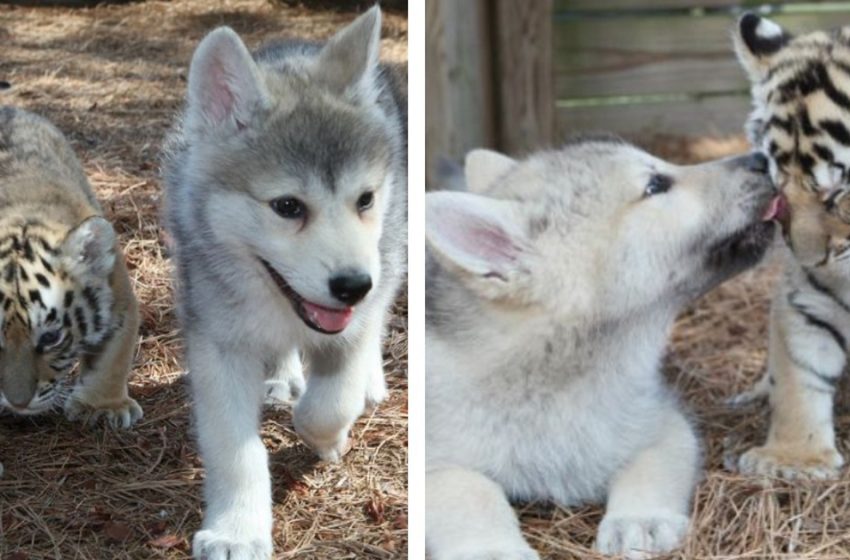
{"points": [[719, 348], [112, 78]]}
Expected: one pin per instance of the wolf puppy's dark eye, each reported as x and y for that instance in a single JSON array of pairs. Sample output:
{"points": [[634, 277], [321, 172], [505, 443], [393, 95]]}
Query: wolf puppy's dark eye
{"points": [[48, 339], [365, 201], [658, 184], [289, 208]]}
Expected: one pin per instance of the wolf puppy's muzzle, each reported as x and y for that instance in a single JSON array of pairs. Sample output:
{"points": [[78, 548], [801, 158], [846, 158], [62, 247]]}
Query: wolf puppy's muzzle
{"points": [[747, 245]]}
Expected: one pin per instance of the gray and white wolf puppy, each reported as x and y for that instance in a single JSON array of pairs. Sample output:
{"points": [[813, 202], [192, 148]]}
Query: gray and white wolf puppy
{"points": [[551, 287], [286, 199], [65, 295]]}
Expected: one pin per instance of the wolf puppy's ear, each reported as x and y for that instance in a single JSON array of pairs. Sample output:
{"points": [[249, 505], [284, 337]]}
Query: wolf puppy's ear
{"points": [[225, 87], [350, 57], [484, 167], [479, 238], [89, 249], [757, 39]]}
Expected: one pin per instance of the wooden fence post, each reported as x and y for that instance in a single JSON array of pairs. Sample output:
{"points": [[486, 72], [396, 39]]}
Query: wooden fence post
{"points": [[523, 37], [459, 102]]}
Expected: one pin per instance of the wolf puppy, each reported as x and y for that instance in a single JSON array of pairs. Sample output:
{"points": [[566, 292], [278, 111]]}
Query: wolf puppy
{"points": [[64, 291], [550, 294], [286, 198], [801, 99]]}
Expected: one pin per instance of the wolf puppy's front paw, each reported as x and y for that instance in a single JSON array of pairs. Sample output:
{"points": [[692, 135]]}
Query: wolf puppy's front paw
{"points": [[212, 545], [122, 413], [329, 448], [792, 463], [492, 551], [497, 555], [284, 391], [376, 391], [641, 537]]}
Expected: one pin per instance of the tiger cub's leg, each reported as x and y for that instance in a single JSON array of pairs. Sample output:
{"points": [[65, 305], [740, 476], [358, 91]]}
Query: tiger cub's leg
{"points": [[806, 359], [102, 387]]}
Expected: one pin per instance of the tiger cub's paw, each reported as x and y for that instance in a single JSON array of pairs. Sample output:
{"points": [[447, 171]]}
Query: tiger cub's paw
{"points": [[122, 413], [792, 463]]}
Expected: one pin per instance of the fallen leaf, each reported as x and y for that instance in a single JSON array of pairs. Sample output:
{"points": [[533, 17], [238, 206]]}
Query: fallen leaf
{"points": [[169, 541], [116, 531]]}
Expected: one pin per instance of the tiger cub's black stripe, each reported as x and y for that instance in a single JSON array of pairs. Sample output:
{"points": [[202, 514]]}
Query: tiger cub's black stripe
{"points": [[817, 285]]}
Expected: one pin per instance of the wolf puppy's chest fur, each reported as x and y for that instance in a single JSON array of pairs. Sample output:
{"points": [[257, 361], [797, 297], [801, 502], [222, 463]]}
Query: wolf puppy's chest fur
{"points": [[554, 400]]}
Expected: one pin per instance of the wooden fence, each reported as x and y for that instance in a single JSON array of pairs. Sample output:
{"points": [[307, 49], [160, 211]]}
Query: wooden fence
{"points": [[661, 66], [518, 74]]}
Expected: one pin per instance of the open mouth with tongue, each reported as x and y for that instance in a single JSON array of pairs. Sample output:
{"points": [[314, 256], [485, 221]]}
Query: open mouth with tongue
{"points": [[326, 320]]}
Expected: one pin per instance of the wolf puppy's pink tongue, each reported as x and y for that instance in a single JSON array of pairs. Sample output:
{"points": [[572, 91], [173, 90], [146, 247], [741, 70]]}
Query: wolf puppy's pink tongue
{"points": [[776, 210], [331, 320]]}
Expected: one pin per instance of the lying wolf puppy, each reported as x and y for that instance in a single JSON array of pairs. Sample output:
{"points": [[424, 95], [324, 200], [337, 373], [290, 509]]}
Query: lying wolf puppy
{"points": [[549, 300]]}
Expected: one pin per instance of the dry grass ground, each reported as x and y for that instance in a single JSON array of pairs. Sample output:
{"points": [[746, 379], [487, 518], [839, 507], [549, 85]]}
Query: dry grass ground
{"points": [[719, 348], [112, 78]]}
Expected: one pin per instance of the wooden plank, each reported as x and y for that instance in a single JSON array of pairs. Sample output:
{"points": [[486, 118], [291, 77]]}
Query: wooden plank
{"points": [[523, 33], [612, 5], [713, 116], [646, 55], [459, 100]]}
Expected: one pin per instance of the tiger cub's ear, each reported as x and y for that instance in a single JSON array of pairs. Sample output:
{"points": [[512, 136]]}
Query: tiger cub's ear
{"points": [[89, 249], [757, 40]]}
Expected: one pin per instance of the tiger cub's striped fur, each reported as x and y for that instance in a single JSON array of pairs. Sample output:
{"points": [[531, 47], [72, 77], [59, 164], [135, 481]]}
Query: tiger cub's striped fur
{"points": [[801, 118], [65, 295]]}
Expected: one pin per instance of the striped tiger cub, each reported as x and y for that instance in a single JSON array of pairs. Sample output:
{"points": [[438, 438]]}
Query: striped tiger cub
{"points": [[801, 118], [65, 295]]}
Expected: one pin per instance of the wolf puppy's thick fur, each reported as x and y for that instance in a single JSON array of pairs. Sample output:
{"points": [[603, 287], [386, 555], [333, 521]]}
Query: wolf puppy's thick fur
{"points": [[549, 298], [64, 290], [286, 198], [801, 99]]}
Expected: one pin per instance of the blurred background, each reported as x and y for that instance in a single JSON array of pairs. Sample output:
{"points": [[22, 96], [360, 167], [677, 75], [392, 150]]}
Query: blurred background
{"points": [[515, 75]]}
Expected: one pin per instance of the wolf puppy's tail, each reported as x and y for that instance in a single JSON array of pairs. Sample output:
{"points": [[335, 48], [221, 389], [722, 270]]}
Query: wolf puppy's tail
{"points": [[449, 174]]}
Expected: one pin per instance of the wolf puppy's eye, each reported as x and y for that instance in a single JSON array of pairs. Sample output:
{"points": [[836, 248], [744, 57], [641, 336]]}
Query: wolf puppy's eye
{"points": [[289, 208], [48, 339], [365, 201], [658, 184]]}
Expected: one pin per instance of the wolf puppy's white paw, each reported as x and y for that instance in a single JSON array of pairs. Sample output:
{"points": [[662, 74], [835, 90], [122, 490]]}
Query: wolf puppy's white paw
{"points": [[284, 391], [792, 464], [329, 449], [641, 537], [121, 414], [519, 554], [211, 545], [376, 391]]}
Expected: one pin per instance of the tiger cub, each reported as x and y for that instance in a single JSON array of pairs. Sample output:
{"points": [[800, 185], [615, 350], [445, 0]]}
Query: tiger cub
{"points": [[801, 118], [65, 294]]}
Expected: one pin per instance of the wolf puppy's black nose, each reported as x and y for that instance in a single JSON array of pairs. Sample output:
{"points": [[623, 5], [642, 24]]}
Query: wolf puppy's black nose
{"points": [[757, 163], [351, 287]]}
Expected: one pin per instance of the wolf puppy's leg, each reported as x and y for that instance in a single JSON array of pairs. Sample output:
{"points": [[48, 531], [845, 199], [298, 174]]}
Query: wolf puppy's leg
{"points": [[228, 390], [805, 363], [468, 517], [286, 384], [648, 502], [336, 391], [102, 387]]}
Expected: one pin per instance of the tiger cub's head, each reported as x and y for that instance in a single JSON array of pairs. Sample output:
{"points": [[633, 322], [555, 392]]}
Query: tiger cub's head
{"points": [[55, 304], [801, 119]]}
